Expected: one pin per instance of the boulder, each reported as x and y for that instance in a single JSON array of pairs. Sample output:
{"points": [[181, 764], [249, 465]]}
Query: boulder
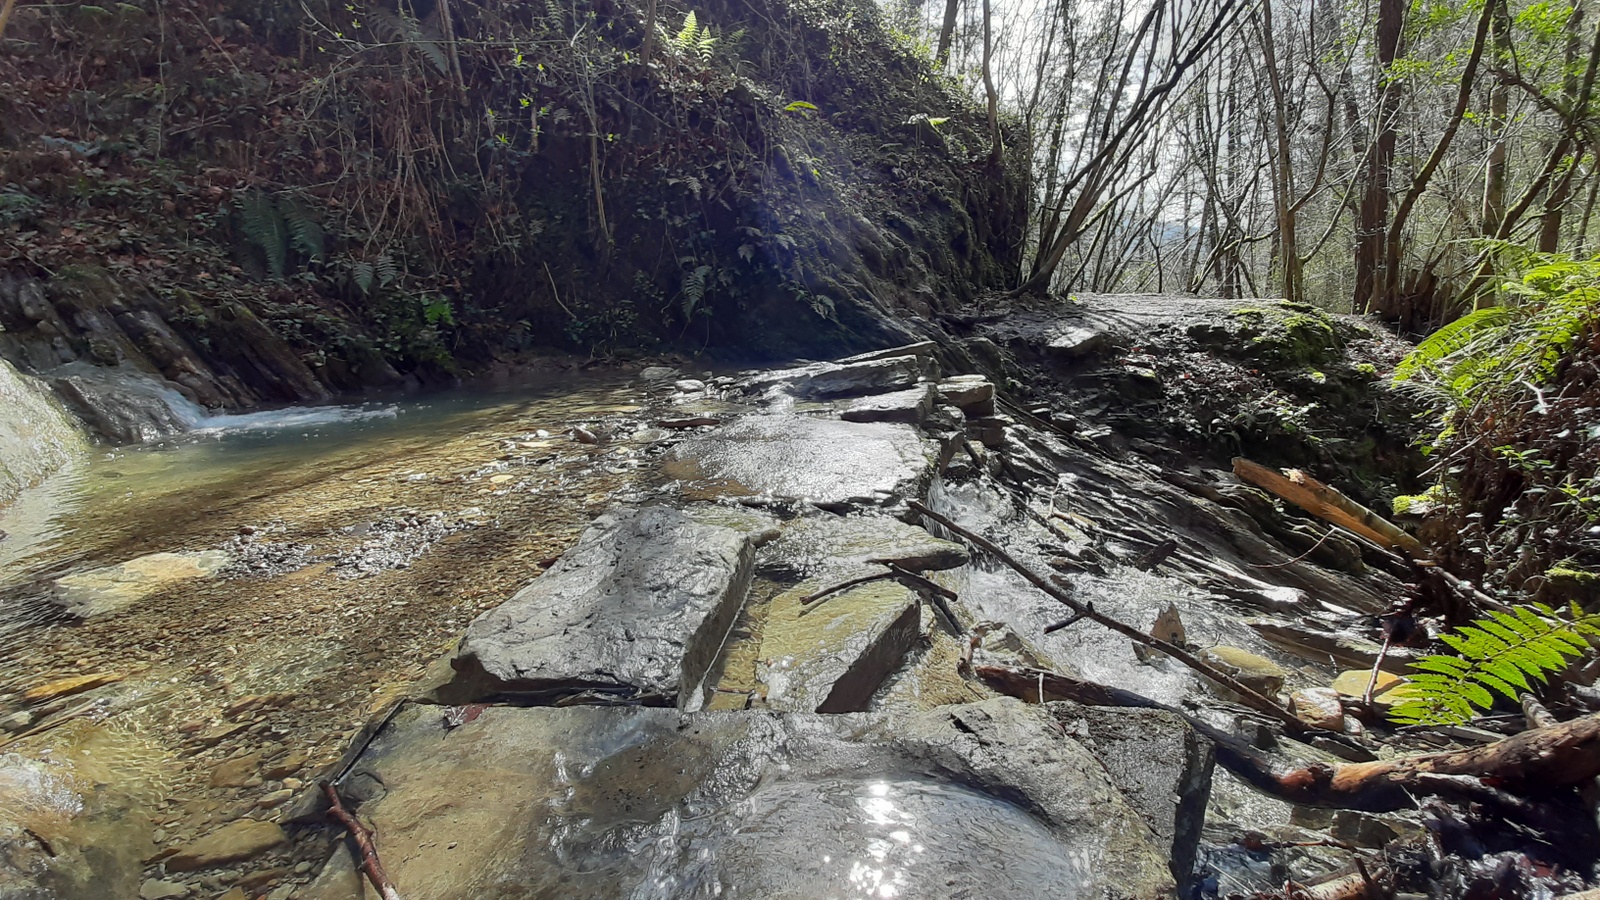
{"points": [[972, 394], [980, 800], [828, 463], [1161, 766], [638, 609], [817, 543]]}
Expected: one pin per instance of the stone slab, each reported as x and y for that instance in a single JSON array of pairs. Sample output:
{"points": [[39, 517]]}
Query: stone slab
{"points": [[832, 655], [910, 406], [825, 462], [638, 609], [833, 381], [981, 800]]}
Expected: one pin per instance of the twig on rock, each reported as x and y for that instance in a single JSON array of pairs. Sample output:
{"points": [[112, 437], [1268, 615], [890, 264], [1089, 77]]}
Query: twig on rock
{"points": [[370, 863], [1249, 696]]}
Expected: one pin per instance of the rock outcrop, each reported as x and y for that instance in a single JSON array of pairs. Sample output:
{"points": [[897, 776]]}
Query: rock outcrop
{"points": [[603, 803]]}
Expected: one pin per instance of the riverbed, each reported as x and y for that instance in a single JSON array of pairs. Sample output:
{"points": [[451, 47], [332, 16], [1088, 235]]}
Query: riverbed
{"points": [[258, 586]]}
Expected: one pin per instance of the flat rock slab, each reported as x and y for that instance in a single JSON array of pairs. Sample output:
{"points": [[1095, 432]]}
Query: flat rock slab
{"points": [[831, 381], [983, 800], [910, 406], [828, 463], [638, 609], [230, 843], [813, 544], [832, 655], [111, 588]]}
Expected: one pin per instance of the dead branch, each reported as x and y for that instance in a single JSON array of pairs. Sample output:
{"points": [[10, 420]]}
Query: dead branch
{"points": [[1249, 696], [1328, 504], [370, 863], [1537, 762], [843, 586]]}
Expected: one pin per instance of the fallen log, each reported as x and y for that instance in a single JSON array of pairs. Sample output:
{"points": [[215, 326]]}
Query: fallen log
{"points": [[1249, 696], [1541, 761], [370, 864], [1328, 504]]}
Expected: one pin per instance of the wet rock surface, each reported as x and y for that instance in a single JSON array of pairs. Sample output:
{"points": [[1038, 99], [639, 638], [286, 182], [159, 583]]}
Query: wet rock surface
{"points": [[607, 803], [824, 462], [639, 609], [746, 579]]}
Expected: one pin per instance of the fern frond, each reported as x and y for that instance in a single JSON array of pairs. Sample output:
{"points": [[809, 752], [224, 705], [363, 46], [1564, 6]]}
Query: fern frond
{"points": [[689, 34], [1502, 653], [305, 235], [264, 227], [1435, 352]]}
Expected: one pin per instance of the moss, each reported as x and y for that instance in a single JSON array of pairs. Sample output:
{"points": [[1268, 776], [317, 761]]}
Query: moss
{"points": [[1565, 583], [1287, 334], [1420, 504]]}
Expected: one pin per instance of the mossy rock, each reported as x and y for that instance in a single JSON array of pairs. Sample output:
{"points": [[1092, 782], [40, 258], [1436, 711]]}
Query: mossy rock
{"points": [[1291, 334], [1569, 584]]}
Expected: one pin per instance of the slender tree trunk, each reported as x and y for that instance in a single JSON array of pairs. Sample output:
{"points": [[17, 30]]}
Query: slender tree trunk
{"points": [[1289, 261], [1561, 192], [947, 30], [1494, 172], [1375, 287], [996, 149]]}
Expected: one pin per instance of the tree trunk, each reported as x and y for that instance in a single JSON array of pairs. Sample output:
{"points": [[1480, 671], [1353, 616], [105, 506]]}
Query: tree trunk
{"points": [[1374, 286], [996, 149], [1561, 192], [947, 31], [1289, 261], [1494, 172]]}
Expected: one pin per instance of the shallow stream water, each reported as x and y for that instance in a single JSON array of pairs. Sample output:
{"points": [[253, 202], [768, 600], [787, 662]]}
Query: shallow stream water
{"points": [[256, 587]]}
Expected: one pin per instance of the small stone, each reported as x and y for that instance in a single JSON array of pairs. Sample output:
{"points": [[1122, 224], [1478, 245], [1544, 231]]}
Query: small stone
{"points": [[658, 373], [236, 772], [66, 687], [235, 894], [293, 784], [285, 766], [690, 386], [1353, 683], [221, 733], [275, 799], [233, 842], [302, 867], [154, 889], [1255, 672], [1318, 707]]}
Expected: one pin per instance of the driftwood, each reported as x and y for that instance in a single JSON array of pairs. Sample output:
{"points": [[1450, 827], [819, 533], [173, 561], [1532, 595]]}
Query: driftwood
{"points": [[1539, 761], [1328, 504], [1249, 696], [370, 863]]}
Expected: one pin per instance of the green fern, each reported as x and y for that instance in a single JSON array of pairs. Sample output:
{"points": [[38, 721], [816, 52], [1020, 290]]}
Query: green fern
{"points": [[1503, 653], [692, 40], [305, 235], [694, 289], [264, 227], [401, 28]]}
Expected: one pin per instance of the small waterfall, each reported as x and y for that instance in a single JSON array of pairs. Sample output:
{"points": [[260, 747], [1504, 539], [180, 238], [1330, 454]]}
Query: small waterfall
{"points": [[37, 436], [125, 405]]}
